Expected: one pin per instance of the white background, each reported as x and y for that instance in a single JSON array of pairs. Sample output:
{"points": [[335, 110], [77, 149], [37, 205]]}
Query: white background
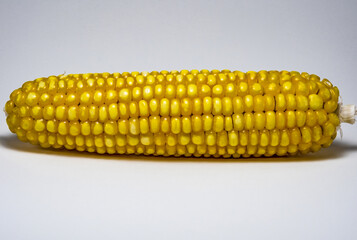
{"points": [[46, 194]]}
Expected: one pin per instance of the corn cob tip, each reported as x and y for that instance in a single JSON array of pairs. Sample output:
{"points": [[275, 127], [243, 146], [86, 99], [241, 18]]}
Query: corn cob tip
{"points": [[347, 113]]}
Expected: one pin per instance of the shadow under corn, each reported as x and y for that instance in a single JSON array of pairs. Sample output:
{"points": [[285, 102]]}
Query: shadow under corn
{"points": [[337, 150]]}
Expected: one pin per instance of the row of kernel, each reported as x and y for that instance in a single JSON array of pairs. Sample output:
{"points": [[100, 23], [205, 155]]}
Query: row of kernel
{"points": [[104, 146], [78, 94], [232, 138], [196, 123], [174, 108], [180, 90], [72, 82], [190, 150], [90, 80], [99, 80], [90, 142]]}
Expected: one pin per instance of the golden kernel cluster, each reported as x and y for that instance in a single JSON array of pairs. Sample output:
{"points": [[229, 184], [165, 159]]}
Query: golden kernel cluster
{"points": [[178, 113]]}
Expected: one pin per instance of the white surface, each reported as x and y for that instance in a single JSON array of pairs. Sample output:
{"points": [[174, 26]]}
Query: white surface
{"points": [[48, 194]]}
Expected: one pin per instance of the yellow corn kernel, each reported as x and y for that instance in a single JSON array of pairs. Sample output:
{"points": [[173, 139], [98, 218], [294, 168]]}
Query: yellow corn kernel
{"points": [[124, 95], [132, 140], [137, 93], [63, 128], [211, 80], [228, 124], [217, 106], [315, 102], [274, 138], [175, 108], [58, 99], [259, 103], [259, 120], [197, 106], [222, 139], [306, 135], [302, 103], [295, 136], [36, 112], [270, 120], [171, 139], [196, 123], [148, 92], [264, 138], [74, 129], [248, 121], [186, 107], [231, 89], [170, 91], [269, 103], [192, 90], [111, 97], [93, 113], [123, 127], [253, 137], [243, 138], [85, 128], [217, 91], [113, 111], [184, 138], [290, 119], [280, 120], [61, 113], [325, 94], [154, 107], [290, 102], [227, 106], [302, 88], [321, 116], [197, 138], [238, 106], [300, 118], [133, 109], [134, 126], [233, 138], [311, 118], [280, 102], [154, 124], [334, 119], [165, 124], [44, 100], [328, 129], [32, 99], [175, 125], [248, 103], [73, 113], [238, 122], [83, 113], [316, 133], [103, 113], [218, 123], [330, 106], [111, 128], [186, 125], [120, 140], [97, 128], [181, 91], [207, 122], [285, 138], [39, 125]]}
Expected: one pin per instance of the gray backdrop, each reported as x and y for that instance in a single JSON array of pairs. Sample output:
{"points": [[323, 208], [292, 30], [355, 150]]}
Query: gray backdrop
{"points": [[51, 195]]}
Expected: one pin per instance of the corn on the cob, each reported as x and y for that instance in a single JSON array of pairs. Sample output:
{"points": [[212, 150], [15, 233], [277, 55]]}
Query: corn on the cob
{"points": [[187, 113]]}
